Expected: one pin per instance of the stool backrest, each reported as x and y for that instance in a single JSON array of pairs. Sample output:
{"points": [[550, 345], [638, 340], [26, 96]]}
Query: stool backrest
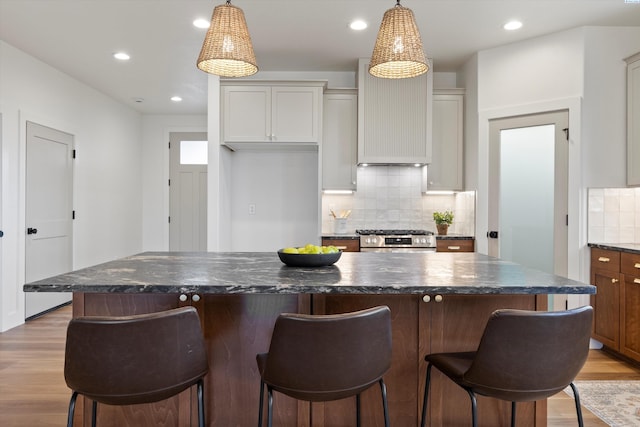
{"points": [[328, 357], [135, 359], [531, 354]]}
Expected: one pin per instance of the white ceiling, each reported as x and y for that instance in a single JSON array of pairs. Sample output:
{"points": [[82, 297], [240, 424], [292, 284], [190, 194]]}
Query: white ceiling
{"points": [[79, 37]]}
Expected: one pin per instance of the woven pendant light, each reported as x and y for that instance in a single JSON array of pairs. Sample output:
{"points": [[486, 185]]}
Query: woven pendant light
{"points": [[398, 52], [227, 50]]}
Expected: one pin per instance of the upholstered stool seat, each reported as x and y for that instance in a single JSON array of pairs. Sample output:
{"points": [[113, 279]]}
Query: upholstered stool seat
{"points": [[522, 356], [135, 359], [327, 357]]}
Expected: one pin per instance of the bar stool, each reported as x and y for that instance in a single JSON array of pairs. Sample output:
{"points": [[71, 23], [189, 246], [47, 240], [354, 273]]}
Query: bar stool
{"points": [[319, 358], [522, 356], [135, 359]]}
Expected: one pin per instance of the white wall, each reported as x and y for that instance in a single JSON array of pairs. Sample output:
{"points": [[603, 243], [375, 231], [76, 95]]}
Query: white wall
{"points": [[107, 172], [604, 119], [283, 187], [580, 70], [155, 174]]}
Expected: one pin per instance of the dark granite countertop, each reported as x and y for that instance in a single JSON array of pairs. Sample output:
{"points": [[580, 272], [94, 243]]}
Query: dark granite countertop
{"points": [[341, 236], [454, 237], [354, 273], [632, 248]]}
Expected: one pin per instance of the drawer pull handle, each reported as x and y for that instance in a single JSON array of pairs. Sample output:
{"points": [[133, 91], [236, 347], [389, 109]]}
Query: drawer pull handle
{"points": [[636, 265], [603, 259], [341, 247], [453, 248], [426, 298], [614, 281], [636, 281], [438, 298]]}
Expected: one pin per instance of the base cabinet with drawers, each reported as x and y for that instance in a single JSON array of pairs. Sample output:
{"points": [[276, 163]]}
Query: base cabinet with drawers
{"points": [[616, 304]]}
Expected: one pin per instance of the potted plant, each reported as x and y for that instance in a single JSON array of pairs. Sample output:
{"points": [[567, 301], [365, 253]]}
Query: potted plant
{"points": [[443, 221]]}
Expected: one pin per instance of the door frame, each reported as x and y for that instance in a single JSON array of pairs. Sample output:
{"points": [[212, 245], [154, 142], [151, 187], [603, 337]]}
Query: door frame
{"points": [[166, 173], [578, 252], [48, 301]]}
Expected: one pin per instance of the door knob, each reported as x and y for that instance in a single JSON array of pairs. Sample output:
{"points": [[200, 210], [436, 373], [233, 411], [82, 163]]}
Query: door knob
{"points": [[32, 230]]}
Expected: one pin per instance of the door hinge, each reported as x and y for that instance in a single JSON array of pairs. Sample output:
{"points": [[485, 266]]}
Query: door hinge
{"points": [[73, 214], [566, 133], [169, 145], [169, 183], [169, 220], [567, 220], [73, 154]]}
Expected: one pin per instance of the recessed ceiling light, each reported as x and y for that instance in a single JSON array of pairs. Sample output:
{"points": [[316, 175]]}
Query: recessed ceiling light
{"points": [[201, 23], [121, 56], [176, 99], [512, 25], [358, 25]]}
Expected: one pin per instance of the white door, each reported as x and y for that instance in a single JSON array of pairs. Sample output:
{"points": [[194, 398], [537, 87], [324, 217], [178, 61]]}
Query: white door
{"points": [[528, 200], [49, 212], [188, 191]]}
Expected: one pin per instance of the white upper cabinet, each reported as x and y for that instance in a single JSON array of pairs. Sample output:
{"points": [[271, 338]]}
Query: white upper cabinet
{"points": [[340, 140], [445, 170], [394, 118], [633, 120], [272, 113]]}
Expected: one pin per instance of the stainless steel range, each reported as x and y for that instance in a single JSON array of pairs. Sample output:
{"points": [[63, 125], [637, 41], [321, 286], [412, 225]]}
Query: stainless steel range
{"points": [[397, 241]]}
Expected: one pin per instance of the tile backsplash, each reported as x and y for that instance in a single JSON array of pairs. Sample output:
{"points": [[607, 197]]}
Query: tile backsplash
{"points": [[614, 215], [391, 197]]}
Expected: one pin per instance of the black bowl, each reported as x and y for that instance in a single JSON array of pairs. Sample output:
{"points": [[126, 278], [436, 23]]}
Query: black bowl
{"points": [[309, 260]]}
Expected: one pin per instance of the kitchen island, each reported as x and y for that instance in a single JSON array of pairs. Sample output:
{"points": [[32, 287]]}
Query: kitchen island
{"points": [[438, 301]]}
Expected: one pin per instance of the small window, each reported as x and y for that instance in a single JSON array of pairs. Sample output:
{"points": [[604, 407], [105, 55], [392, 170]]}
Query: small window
{"points": [[194, 152]]}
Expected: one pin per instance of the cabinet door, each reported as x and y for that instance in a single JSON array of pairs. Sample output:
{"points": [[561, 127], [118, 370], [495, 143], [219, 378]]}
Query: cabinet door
{"points": [[445, 170], [238, 327], [401, 379], [630, 305], [339, 142], [630, 317], [246, 112], [295, 114], [176, 411], [606, 307], [457, 323]]}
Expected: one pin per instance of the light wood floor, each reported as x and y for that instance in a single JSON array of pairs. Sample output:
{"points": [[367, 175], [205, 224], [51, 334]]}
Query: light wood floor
{"points": [[33, 391]]}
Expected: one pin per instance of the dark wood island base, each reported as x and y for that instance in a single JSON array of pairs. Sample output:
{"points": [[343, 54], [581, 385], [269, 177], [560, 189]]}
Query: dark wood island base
{"points": [[237, 327], [438, 301]]}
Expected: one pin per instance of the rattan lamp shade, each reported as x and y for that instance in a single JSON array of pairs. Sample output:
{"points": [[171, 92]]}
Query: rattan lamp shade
{"points": [[398, 52], [227, 50]]}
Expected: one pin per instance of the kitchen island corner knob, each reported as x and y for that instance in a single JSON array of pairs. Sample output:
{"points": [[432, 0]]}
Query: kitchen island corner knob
{"points": [[182, 297], [195, 298], [426, 298], [438, 298]]}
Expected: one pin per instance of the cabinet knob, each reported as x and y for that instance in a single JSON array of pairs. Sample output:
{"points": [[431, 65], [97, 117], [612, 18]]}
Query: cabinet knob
{"points": [[182, 297], [426, 298], [603, 259], [636, 265], [195, 297], [438, 298], [636, 281], [614, 281]]}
